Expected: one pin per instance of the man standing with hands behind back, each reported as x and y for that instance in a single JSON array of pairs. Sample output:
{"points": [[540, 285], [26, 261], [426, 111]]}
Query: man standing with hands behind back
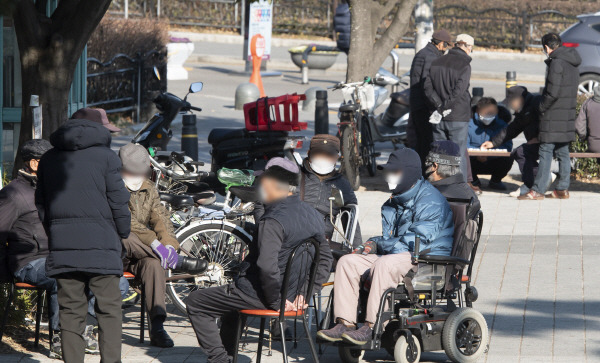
{"points": [[557, 117]]}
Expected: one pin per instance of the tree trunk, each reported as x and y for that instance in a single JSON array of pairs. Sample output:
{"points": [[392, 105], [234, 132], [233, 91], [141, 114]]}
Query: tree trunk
{"points": [[423, 23], [367, 53], [49, 48]]}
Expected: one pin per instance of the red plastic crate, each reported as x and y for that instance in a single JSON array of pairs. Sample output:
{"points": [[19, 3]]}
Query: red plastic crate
{"points": [[274, 114]]}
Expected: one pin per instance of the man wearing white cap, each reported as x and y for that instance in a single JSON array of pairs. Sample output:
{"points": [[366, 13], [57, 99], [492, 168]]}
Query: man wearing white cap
{"points": [[447, 90]]}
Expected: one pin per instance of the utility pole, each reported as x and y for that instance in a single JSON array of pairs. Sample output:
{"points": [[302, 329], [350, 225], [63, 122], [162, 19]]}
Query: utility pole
{"points": [[424, 23]]}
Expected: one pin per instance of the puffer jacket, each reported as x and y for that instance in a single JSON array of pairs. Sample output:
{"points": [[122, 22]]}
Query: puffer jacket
{"points": [[83, 201], [342, 21], [316, 192], [20, 225], [421, 211], [480, 133], [447, 87], [419, 71], [559, 98], [149, 218]]}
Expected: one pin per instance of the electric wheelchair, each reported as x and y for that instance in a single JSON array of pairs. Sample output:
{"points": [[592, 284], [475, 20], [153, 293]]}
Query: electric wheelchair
{"points": [[431, 309]]}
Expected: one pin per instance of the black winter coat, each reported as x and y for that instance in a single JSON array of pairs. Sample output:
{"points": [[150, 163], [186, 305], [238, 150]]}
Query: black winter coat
{"points": [[526, 121], [447, 87], [83, 201], [559, 99], [419, 71], [20, 224], [455, 187], [316, 193], [341, 24], [284, 225]]}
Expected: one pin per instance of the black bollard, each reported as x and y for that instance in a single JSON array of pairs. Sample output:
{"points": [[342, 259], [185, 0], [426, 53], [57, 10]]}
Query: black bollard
{"points": [[189, 136], [321, 113], [511, 80]]}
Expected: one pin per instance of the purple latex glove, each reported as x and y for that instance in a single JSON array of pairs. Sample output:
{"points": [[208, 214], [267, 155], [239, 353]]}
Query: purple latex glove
{"points": [[162, 252], [173, 257]]}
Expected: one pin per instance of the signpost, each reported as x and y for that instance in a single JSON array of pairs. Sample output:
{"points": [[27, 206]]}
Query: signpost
{"points": [[260, 22], [36, 125]]}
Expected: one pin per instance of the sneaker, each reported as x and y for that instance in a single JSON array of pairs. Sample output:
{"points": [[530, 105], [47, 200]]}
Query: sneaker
{"points": [[522, 190], [55, 347], [91, 342], [334, 334], [360, 336], [131, 298], [497, 185]]}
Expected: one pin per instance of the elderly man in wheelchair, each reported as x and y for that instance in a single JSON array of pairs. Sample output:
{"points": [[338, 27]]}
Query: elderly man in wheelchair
{"points": [[394, 281]]}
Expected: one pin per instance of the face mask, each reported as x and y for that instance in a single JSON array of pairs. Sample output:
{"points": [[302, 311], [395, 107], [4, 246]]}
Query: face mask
{"points": [[393, 180], [322, 166], [486, 120], [133, 183]]}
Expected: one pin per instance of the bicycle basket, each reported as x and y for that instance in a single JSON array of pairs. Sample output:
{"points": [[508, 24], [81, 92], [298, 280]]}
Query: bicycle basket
{"points": [[235, 177]]}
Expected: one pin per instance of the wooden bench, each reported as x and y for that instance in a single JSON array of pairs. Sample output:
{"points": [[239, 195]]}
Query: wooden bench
{"points": [[507, 154]]}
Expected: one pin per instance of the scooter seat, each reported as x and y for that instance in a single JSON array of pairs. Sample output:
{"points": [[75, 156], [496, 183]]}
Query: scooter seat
{"points": [[177, 201], [400, 97], [218, 135], [245, 193], [351, 107]]}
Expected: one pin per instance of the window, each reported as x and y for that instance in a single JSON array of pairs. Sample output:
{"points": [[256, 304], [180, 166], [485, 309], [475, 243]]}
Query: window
{"points": [[11, 66]]}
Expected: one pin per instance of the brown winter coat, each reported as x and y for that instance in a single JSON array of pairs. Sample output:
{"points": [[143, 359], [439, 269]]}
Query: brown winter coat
{"points": [[149, 218]]}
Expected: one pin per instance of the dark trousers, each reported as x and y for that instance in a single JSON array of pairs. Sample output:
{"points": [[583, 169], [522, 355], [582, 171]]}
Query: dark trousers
{"points": [[145, 265], [526, 156], [206, 306], [458, 132], [497, 167], [73, 304], [419, 132]]}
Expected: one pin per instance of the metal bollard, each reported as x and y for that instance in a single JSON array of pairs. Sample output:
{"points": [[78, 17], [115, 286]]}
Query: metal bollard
{"points": [[321, 113], [511, 80], [189, 136]]}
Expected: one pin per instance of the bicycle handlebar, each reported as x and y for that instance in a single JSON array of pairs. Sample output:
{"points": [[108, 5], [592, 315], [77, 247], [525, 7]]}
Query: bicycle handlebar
{"points": [[177, 176]]}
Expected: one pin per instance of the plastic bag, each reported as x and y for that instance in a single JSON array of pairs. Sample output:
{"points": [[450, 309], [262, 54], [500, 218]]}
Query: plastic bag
{"points": [[235, 177]]}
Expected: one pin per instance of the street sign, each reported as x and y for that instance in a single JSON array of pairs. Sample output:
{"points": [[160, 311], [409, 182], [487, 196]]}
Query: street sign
{"points": [[261, 22]]}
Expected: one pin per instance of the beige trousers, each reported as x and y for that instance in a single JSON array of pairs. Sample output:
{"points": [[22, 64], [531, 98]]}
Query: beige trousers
{"points": [[384, 272]]}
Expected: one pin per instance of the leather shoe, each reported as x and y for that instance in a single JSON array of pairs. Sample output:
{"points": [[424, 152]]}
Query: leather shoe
{"points": [[558, 194], [191, 265], [532, 195], [161, 338]]}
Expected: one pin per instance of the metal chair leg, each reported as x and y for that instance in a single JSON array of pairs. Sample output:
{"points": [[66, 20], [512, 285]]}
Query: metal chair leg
{"points": [[50, 330], [143, 315], [310, 341], [38, 316], [261, 335], [283, 346], [9, 301], [238, 334]]}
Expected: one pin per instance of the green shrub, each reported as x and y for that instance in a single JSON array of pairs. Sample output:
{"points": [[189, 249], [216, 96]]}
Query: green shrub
{"points": [[586, 168]]}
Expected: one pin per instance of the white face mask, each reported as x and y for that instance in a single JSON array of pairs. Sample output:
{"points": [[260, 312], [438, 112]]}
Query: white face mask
{"points": [[133, 183], [322, 166], [393, 180]]}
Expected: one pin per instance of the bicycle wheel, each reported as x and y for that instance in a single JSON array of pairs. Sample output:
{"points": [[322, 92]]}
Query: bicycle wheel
{"points": [[350, 162], [367, 149], [223, 244]]}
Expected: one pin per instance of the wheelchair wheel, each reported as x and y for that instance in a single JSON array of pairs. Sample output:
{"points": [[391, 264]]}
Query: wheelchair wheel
{"points": [[465, 335], [348, 355], [404, 353]]}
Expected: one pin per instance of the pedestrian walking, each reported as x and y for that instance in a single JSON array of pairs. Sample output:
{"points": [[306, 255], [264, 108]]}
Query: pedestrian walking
{"points": [[447, 90], [418, 130], [83, 205], [557, 117]]}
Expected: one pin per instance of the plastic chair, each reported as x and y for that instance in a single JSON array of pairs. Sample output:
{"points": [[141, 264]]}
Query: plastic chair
{"points": [[130, 276], [300, 253], [38, 310]]}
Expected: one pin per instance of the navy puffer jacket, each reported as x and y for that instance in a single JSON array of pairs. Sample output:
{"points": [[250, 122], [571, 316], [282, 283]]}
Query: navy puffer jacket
{"points": [[83, 201], [421, 211]]}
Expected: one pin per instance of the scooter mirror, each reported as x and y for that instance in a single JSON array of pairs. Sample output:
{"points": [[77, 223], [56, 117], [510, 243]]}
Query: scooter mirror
{"points": [[196, 87], [156, 73]]}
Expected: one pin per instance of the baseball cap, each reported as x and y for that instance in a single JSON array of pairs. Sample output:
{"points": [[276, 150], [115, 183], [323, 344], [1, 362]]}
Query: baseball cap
{"points": [[443, 35], [401, 159], [514, 92], [444, 152], [97, 115], [281, 169], [465, 38]]}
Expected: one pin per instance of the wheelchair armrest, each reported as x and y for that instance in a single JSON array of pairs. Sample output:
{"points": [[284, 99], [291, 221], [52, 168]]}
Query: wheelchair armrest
{"points": [[443, 260]]}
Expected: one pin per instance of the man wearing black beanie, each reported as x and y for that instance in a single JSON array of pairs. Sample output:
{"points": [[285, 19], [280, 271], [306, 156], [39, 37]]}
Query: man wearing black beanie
{"points": [[415, 208]]}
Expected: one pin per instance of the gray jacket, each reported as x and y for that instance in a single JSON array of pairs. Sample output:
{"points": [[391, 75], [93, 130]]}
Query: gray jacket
{"points": [[587, 124]]}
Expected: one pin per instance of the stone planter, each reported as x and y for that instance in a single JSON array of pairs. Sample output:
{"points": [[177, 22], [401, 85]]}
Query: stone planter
{"points": [[316, 60], [178, 52]]}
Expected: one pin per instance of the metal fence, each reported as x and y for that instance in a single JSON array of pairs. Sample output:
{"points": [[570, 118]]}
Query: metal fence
{"points": [[495, 27], [125, 84]]}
